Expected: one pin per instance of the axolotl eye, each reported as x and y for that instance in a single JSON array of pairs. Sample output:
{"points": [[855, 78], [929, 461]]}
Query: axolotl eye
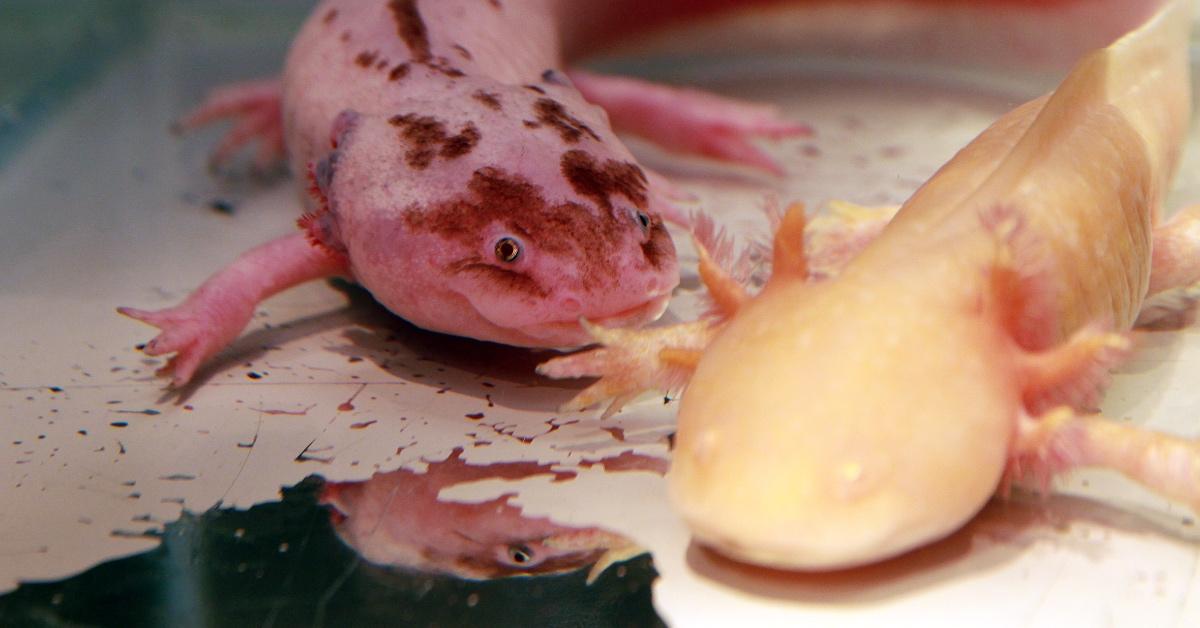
{"points": [[520, 554], [508, 249], [640, 217]]}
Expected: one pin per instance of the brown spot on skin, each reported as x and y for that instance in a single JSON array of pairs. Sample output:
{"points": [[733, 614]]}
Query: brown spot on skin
{"points": [[466, 54], [411, 28], [398, 72], [568, 230], [345, 36], [427, 138], [535, 88], [461, 144], [330, 16], [496, 4], [489, 99], [366, 58], [658, 248], [600, 182], [441, 64], [381, 64], [553, 114], [530, 124]]}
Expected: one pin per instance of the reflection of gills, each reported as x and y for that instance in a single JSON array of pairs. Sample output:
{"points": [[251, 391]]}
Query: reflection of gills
{"points": [[397, 519], [835, 423]]}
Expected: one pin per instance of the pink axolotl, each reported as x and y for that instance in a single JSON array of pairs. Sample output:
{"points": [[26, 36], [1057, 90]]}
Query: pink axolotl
{"points": [[460, 176], [399, 519], [832, 423]]}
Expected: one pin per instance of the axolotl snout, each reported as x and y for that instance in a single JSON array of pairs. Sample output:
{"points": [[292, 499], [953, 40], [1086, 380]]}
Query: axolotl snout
{"points": [[522, 250]]}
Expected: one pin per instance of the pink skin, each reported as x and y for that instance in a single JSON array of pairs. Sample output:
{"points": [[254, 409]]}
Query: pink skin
{"points": [[454, 138], [397, 519]]}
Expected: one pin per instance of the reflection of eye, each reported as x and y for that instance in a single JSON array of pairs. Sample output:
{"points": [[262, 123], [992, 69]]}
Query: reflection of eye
{"points": [[508, 250], [643, 219], [520, 554]]}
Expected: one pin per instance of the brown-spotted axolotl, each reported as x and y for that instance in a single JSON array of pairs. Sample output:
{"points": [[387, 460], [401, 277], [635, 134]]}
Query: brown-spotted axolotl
{"points": [[461, 176], [832, 423], [400, 519]]}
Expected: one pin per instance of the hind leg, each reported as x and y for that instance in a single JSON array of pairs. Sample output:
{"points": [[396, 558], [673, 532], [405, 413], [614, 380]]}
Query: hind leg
{"points": [[256, 111], [1061, 440], [690, 120], [1174, 273]]}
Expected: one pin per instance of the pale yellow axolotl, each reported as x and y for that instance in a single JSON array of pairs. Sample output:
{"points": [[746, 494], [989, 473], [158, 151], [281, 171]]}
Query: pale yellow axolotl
{"points": [[834, 423]]}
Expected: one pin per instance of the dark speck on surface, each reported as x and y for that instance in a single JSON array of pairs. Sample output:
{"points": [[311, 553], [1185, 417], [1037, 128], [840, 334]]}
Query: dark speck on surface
{"points": [[56, 389], [119, 424], [222, 206], [475, 416], [253, 375], [147, 412]]}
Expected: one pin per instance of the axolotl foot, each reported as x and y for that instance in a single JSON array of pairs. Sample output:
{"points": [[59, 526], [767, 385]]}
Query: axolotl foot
{"points": [[192, 331], [256, 112], [631, 362]]}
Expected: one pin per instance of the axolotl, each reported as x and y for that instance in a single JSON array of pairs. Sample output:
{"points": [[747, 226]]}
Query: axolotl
{"points": [[460, 176], [400, 519], [827, 424]]}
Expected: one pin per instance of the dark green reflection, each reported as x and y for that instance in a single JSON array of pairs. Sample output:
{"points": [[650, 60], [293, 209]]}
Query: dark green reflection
{"points": [[281, 564]]}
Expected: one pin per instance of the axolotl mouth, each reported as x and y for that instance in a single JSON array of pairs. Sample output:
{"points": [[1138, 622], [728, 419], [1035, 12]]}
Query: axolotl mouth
{"points": [[574, 335], [567, 333]]}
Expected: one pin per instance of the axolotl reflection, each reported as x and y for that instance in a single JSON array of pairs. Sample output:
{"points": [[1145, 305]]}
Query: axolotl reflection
{"points": [[397, 519]]}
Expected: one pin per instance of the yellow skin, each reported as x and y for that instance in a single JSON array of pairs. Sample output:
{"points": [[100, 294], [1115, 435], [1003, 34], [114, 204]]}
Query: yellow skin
{"points": [[829, 424]]}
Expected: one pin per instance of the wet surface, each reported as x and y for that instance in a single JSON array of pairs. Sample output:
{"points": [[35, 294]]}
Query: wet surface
{"points": [[284, 564]]}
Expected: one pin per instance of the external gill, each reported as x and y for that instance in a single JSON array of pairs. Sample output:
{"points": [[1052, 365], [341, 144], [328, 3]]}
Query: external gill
{"points": [[631, 362]]}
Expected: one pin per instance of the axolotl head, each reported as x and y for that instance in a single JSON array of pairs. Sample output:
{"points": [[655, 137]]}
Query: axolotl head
{"points": [[500, 213], [836, 424]]}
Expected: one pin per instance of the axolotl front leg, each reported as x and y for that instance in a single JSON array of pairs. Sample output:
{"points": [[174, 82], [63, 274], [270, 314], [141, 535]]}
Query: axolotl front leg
{"points": [[213, 315]]}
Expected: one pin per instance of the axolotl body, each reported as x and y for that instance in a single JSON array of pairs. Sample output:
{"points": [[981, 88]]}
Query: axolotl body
{"points": [[459, 176], [829, 424]]}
